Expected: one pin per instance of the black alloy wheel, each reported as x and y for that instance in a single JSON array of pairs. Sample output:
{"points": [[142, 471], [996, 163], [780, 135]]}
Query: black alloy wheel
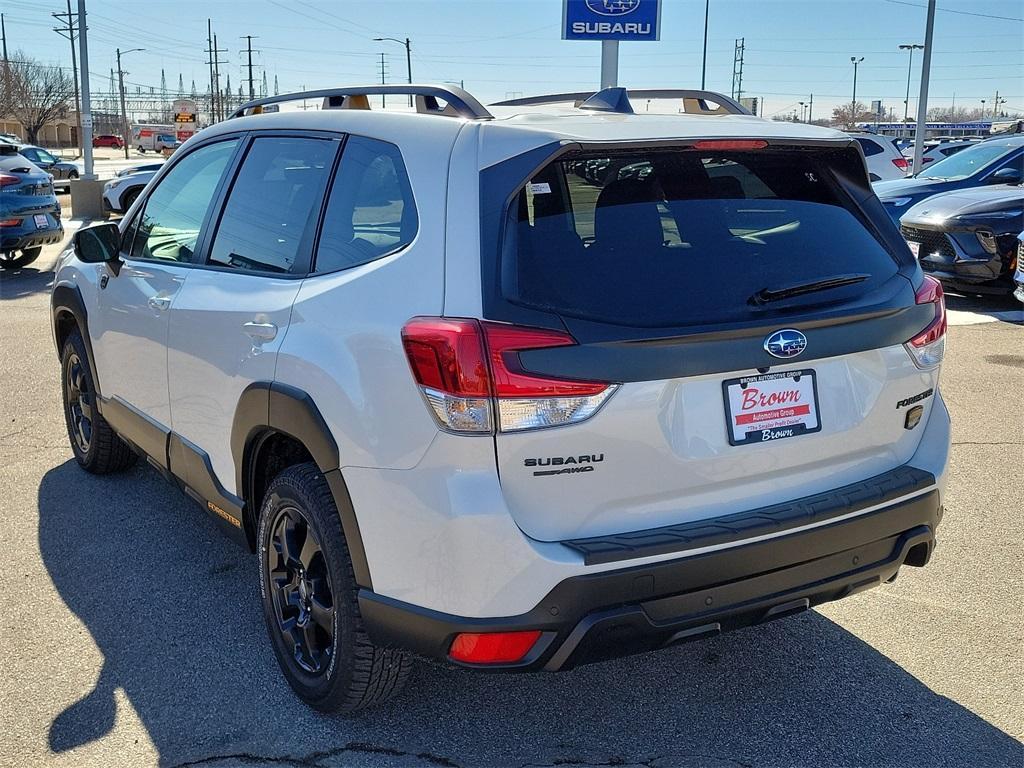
{"points": [[301, 591], [79, 401]]}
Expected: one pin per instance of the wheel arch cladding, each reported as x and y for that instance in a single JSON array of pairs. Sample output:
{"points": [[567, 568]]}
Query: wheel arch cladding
{"points": [[275, 416], [67, 311]]}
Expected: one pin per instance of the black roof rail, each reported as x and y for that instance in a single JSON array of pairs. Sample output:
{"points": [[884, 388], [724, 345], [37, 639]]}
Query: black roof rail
{"points": [[618, 100], [459, 102]]}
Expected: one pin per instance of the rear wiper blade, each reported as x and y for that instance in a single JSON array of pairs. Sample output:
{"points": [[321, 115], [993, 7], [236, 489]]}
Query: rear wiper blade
{"points": [[766, 295]]}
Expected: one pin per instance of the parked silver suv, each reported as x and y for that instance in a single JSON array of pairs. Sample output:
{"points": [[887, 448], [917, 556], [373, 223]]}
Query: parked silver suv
{"points": [[519, 387]]}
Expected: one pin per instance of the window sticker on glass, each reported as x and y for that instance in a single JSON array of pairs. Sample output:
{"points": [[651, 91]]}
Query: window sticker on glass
{"points": [[540, 188]]}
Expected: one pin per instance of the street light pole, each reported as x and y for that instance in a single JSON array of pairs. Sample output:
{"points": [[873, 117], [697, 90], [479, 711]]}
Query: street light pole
{"points": [[910, 68], [83, 58], [704, 61], [853, 104], [922, 99], [408, 56], [120, 88]]}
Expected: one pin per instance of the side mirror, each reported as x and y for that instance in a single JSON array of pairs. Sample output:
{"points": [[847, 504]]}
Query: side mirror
{"points": [[1005, 176], [98, 244]]}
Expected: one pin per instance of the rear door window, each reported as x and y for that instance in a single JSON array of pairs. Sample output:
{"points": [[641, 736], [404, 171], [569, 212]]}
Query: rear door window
{"points": [[678, 237], [273, 204], [370, 212]]}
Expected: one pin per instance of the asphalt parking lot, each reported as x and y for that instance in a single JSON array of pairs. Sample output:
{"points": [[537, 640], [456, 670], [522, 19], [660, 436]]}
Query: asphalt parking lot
{"points": [[130, 632]]}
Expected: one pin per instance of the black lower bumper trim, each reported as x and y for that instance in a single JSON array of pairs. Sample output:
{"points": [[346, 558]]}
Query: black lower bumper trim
{"points": [[597, 616]]}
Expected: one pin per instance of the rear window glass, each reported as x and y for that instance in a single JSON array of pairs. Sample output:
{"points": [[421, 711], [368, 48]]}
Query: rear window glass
{"points": [[870, 147], [673, 238]]}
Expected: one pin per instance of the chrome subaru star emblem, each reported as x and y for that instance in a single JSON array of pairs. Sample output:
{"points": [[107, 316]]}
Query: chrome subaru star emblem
{"points": [[788, 342]]}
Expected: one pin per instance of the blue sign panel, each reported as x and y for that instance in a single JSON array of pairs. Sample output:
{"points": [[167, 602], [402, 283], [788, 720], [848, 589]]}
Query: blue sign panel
{"points": [[611, 19]]}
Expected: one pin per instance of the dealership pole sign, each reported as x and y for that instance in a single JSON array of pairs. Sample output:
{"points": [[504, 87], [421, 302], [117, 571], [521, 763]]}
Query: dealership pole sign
{"points": [[611, 19]]}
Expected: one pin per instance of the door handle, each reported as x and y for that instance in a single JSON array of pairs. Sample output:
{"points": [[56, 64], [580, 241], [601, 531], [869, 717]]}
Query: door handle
{"points": [[261, 331], [159, 303]]}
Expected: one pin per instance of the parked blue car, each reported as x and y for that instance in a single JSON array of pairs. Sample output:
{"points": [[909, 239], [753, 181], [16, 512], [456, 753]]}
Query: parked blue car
{"points": [[994, 161], [29, 210], [1018, 275]]}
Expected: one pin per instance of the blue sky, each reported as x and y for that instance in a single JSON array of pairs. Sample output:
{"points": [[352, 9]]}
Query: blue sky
{"points": [[793, 47]]}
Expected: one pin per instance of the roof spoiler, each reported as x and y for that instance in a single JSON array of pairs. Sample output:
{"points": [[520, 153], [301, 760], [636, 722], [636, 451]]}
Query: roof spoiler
{"points": [[618, 100], [458, 102]]}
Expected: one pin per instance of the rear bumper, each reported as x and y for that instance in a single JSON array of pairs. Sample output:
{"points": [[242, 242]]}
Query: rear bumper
{"points": [[13, 240], [614, 613]]}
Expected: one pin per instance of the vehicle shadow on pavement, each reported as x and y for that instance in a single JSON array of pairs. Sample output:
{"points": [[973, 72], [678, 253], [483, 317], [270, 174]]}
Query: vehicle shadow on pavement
{"points": [[18, 283], [173, 608]]}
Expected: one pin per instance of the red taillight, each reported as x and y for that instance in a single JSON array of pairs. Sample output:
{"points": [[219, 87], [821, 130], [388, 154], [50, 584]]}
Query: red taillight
{"points": [[901, 163], [447, 355], [10, 222], [510, 380], [730, 144], [927, 347], [493, 647], [469, 370], [7, 179]]}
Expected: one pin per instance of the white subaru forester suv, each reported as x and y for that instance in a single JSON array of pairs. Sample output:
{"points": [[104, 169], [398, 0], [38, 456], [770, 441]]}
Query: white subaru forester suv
{"points": [[519, 387]]}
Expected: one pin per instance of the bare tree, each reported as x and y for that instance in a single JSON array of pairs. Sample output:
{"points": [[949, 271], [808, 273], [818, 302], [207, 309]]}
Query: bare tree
{"points": [[36, 94], [844, 116]]}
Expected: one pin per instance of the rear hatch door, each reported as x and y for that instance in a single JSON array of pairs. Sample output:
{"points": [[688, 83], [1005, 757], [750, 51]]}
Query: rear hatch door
{"points": [[747, 307]]}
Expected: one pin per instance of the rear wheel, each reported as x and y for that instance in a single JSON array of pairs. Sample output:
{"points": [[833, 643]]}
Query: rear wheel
{"points": [[309, 600], [20, 258], [96, 446]]}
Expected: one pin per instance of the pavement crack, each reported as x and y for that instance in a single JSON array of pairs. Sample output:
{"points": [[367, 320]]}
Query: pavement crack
{"points": [[987, 442], [315, 759]]}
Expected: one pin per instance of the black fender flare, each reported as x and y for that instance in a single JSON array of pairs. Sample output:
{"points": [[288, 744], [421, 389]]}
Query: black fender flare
{"points": [[265, 408], [67, 299]]}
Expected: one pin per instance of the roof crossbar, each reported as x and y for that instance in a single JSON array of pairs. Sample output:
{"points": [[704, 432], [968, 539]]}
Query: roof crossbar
{"points": [[459, 102], [618, 100]]}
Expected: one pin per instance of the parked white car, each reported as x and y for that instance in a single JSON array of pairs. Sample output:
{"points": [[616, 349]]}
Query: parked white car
{"points": [[519, 387], [121, 191], [884, 159]]}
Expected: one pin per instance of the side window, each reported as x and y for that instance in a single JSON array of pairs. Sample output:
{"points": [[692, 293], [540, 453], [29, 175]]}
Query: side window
{"points": [[169, 225], [274, 199], [870, 148], [370, 212]]}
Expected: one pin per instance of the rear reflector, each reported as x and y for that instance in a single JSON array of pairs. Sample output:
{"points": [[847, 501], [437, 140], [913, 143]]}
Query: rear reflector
{"points": [[901, 163], [730, 144], [493, 647], [928, 347], [469, 370]]}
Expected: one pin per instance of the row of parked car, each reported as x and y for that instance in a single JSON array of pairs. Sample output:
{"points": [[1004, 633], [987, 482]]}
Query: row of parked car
{"points": [[962, 215]]}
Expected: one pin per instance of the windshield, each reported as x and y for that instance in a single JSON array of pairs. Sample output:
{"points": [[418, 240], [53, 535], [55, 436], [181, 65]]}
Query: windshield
{"points": [[672, 238], [166, 137], [967, 162]]}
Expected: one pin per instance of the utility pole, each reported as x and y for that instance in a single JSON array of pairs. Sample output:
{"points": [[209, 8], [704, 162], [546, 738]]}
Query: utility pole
{"points": [[996, 106], [124, 115], [853, 104], [213, 90], [252, 87], [216, 78], [83, 45], [383, 72], [704, 60], [810, 109], [71, 34], [408, 56], [922, 99]]}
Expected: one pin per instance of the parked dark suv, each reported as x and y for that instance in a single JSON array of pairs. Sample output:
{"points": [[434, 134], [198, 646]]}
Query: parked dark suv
{"points": [[29, 210]]}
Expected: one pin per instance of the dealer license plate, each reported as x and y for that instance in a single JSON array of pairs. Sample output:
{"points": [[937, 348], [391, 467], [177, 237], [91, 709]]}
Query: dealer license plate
{"points": [[41, 221], [772, 406]]}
